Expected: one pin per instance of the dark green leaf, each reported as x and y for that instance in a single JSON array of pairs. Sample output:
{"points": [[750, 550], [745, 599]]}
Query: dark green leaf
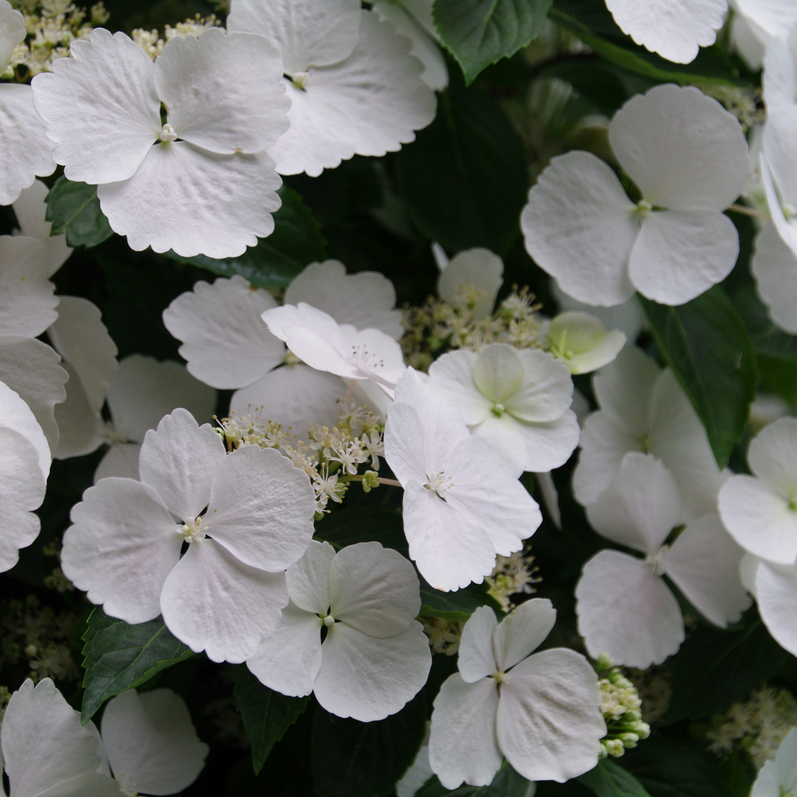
{"points": [[480, 33], [74, 209], [464, 179], [365, 759], [767, 338], [708, 348], [274, 261], [458, 605], [715, 668], [594, 25], [609, 779], [363, 524], [668, 769], [266, 714], [507, 783], [119, 656]]}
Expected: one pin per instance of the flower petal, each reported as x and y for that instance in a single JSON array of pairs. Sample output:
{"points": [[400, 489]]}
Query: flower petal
{"points": [[773, 455], [308, 579], [478, 268], [80, 430], [30, 209], [774, 267], [776, 593], [477, 657], [121, 461], [16, 415], [522, 632]]}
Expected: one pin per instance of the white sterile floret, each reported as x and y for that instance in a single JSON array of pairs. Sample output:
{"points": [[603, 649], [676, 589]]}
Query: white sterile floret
{"points": [[25, 150], [463, 503], [774, 266], [31, 211], [518, 400], [246, 517], [471, 279], [756, 24], [202, 182], [688, 157], [24, 468], [624, 607], [779, 81], [353, 85], [675, 29], [760, 511], [775, 590], [374, 657], [642, 408], [778, 776], [778, 162], [582, 343], [541, 712]]}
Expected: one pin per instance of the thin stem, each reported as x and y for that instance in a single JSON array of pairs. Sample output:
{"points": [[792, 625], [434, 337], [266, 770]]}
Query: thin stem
{"points": [[745, 211]]}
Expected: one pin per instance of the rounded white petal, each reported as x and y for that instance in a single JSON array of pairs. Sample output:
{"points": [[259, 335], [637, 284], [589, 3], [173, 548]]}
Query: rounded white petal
{"points": [[224, 91], [288, 660], [547, 389], [785, 229], [773, 17], [679, 254], [121, 547], [370, 678], [225, 341], [579, 226], [508, 436], [628, 317], [179, 462], [477, 657], [776, 593], [759, 518], [780, 77], [194, 201], [101, 107], [499, 372], [626, 611], [31, 369], [295, 396], [212, 601], [675, 29], [767, 784], [704, 564], [364, 300], [549, 722], [306, 33], [80, 430], [477, 268], [368, 104], [463, 745], [308, 579], [81, 338], [45, 747], [373, 589], [12, 32], [15, 414], [640, 507], [261, 508], [774, 267], [522, 632], [30, 209], [681, 148], [786, 759], [773, 455], [452, 375], [120, 461], [27, 304], [145, 390], [25, 150], [582, 342], [151, 740]]}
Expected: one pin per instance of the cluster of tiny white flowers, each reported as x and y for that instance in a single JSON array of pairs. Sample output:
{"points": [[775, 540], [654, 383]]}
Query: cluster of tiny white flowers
{"points": [[153, 43], [515, 574]]}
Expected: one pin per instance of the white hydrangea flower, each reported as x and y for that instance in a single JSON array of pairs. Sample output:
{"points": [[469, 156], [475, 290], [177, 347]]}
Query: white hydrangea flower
{"points": [[246, 517], [31, 211], [25, 150], [756, 23], [541, 712], [760, 511], [24, 468], [675, 29], [202, 182], [582, 343], [642, 408], [778, 160], [517, 400], [375, 656], [689, 158], [778, 777], [779, 82], [472, 277], [774, 266], [353, 85], [624, 607], [775, 590], [463, 503]]}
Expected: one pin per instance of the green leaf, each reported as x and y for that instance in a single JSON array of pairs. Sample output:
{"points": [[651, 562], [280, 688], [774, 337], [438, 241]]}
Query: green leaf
{"points": [[74, 209], [274, 261], [458, 605], [363, 524], [766, 337], [609, 779], [266, 714], [480, 32], [118, 656], [708, 348], [507, 783], [463, 180], [594, 25], [365, 759], [715, 668]]}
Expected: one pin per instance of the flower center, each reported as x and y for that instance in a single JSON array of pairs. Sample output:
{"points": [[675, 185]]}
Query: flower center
{"points": [[194, 530], [656, 561], [365, 360], [498, 410], [300, 80], [789, 211], [643, 209], [439, 483], [167, 135]]}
